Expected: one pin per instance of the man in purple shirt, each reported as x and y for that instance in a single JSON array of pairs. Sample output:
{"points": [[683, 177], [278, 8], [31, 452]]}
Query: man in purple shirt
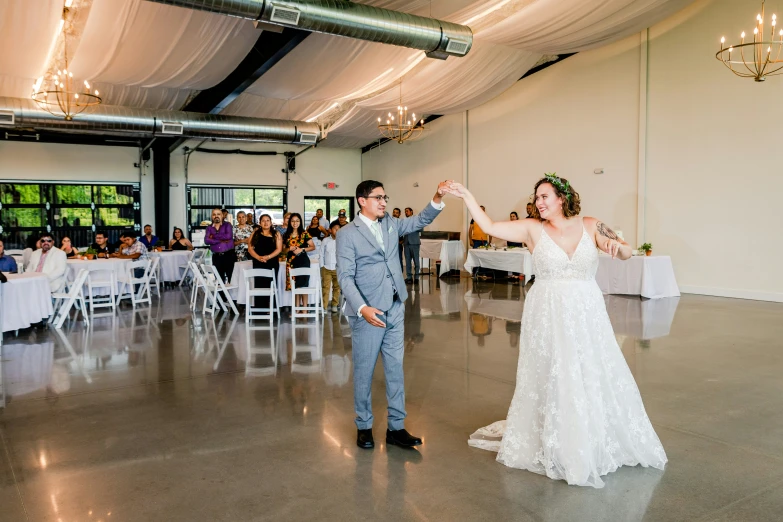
{"points": [[220, 238]]}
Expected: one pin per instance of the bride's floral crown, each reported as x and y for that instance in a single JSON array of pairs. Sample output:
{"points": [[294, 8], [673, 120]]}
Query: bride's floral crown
{"points": [[562, 186]]}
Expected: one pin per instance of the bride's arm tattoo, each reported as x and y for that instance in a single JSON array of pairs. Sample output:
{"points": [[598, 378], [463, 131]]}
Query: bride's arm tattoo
{"points": [[605, 231]]}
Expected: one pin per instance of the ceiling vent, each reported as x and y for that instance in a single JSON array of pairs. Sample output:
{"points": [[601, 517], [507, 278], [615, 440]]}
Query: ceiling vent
{"points": [[310, 139], [457, 47], [285, 15], [170, 127], [6, 118]]}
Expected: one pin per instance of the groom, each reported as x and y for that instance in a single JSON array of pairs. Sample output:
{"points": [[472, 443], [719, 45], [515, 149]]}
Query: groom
{"points": [[370, 277]]}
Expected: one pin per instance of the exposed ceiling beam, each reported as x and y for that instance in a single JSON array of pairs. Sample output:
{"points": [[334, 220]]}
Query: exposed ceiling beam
{"points": [[32, 136], [270, 48]]}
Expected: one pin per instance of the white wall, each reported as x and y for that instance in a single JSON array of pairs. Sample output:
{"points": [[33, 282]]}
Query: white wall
{"points": [[434, 158], [713, 174], [313, 168], [58, 162], [673, 130]]}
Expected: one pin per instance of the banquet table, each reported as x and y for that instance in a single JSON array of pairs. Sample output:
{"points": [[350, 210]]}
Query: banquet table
{"points": [[450, 253], [116, 265], [651, 277], [518, 260], [24, 300], [170, 263]]}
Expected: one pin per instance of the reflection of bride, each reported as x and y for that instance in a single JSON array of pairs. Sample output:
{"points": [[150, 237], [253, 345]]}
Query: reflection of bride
{"points": [[576, 413]]}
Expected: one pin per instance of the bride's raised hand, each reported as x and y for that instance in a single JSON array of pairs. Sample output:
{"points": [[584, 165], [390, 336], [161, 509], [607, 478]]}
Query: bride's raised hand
{"points": [[458, 190]]}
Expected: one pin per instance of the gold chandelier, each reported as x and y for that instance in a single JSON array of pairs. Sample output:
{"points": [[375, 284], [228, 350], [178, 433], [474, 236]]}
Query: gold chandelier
{"points": [[402, 126], [60, 94], [764, 56]]}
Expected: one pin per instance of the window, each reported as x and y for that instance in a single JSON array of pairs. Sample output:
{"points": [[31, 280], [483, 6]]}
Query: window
{"points": [[74, 210], [330, 205], [254, 201]]}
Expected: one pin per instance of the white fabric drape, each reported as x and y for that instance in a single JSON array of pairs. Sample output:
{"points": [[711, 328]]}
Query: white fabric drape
{"points": [[144, 54]]}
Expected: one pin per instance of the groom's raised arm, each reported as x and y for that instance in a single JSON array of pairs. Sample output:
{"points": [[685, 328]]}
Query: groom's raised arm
{"points": [[427, 214], [346, 271]]}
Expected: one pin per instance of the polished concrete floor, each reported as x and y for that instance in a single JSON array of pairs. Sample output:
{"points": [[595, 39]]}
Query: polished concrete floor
{"points": [[160, 414]]}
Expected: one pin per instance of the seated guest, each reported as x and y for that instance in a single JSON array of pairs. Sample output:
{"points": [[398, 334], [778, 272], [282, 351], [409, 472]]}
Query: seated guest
{"points": [[179, 241], [68, 248], [7, 263], [131, 248], [51, 261], [148, 240], [101, 246]]}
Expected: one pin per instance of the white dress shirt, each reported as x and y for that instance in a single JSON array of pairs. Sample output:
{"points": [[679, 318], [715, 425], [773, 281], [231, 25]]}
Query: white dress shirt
{"points": [[372, 224], [328, 254]]}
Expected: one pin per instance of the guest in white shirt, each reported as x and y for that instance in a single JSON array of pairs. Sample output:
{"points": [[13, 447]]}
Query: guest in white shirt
{"points": [[51, 261], [328, 261], [322, 221]]}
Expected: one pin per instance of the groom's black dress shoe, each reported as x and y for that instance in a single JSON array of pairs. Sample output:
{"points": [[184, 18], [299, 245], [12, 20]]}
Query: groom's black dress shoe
{"points": [[364, 439], [402, 438]]}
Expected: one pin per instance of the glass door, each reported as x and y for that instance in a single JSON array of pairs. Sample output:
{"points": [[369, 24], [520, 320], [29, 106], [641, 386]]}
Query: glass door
{"points": [[330, 205]]}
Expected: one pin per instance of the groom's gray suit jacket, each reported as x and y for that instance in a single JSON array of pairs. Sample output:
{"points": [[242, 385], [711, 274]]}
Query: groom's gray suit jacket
{"points": [[367, 274]]}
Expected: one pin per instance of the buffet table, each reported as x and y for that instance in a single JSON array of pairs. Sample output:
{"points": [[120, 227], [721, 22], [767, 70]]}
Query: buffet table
{"points": [[518, 260], [651, 277], [25, 299]]}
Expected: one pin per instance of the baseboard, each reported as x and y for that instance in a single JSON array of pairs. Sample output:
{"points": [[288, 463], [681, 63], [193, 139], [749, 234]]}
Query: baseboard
{"points": [[733, 293]]}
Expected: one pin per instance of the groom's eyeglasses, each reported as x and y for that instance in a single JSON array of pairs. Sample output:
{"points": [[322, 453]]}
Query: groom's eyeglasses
{"points": [[379, 198]]}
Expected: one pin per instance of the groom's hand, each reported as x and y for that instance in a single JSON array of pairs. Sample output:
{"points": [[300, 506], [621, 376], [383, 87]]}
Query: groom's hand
{"points": [[444, 188], [370, 315]]}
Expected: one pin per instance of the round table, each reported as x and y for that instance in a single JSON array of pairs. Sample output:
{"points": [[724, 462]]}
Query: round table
{"points": [[170, 263], [24, 300]]}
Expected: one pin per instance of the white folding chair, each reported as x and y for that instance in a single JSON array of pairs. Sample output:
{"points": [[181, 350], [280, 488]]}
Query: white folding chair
{"points": [[64, 301], [199, 283], [100, 277], [253, 312], [130, 280], [312, 291], [217, 290], [196, 257], [155, 272]]}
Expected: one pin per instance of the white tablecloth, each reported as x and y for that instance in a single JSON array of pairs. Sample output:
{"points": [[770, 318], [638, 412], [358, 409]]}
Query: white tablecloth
{"points": [[518, 260], [237, 278], [451, 254], [116, 265], [25, 300], [170, 263], [648, 276]]}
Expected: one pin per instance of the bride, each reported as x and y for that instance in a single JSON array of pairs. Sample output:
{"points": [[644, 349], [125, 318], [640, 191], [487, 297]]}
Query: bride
{"points": [[576, 413]]}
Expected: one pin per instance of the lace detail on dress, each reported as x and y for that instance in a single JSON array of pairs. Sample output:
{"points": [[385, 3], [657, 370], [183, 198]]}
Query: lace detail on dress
{"points": [[576, 413]]}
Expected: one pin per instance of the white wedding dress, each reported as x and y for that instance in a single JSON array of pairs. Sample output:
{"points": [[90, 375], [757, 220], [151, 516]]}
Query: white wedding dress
{"points": [[576, 413]]}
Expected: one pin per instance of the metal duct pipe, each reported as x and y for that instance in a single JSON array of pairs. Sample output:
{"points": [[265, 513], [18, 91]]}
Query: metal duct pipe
{"points": [[437, 38], [106, 119]]}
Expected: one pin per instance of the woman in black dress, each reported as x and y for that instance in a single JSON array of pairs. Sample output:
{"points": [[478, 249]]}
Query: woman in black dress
{"points": [[315, 230], [264, 247], [179, 241]]}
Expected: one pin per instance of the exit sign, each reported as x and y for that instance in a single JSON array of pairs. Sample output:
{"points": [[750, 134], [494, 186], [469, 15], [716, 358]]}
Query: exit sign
{"points": [[331, 186]]}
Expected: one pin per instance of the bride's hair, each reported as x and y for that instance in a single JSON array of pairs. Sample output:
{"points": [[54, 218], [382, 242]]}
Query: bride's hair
{"points": [[563, 189]]}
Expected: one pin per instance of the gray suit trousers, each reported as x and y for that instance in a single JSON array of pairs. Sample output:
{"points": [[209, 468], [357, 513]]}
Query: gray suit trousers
{"points": [[411, 260], [369, 342]]}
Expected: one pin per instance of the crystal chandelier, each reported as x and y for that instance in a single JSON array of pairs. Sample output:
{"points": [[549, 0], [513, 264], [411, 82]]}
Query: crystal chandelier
{"points": [[763, 56], [402, 126], [59, 93]]}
